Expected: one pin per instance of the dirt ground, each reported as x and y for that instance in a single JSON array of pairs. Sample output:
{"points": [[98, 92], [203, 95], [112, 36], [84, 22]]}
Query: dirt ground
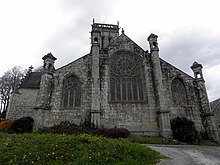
{"points": [[188, 154]]}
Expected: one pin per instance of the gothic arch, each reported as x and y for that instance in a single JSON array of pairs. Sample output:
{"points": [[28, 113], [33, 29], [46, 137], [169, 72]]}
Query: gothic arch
{"points": [[71, 92], [178, 91], [126, 77]]}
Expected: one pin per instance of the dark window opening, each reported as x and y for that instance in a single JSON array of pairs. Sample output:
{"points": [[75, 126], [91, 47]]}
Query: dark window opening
{"points": [[96, 39], [103, 40], [50, 67], [154, 44], [109, 39]]}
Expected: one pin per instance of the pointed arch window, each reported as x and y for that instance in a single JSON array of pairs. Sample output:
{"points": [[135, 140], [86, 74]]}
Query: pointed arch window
{"points": [[126, 77], [178, 92], [71, 92]]}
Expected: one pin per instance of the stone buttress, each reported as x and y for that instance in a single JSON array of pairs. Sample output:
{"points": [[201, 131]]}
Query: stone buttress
{"points": [[206, 115], [101, 36], [162, 109]]}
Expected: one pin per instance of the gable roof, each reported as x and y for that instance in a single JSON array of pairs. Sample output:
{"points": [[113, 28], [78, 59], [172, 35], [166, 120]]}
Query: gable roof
{"points": [[140, 51], [215, 105], [124, 42], [32, 81], [168, 64]]}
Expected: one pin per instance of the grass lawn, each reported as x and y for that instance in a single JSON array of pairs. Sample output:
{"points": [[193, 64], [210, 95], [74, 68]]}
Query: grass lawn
{"points": [[145, 139], [72, 149], [208, 143]]}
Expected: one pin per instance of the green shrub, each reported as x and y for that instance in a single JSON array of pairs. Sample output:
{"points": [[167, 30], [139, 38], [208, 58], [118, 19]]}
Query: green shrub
{"points": [[5, 125], [142, 139], [22, 125], [184, 130], [113, 132]]}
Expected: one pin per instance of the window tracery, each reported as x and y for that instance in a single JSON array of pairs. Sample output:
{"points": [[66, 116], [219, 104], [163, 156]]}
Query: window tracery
{"points": [[178, 92], [71, 92], [126, 78]]}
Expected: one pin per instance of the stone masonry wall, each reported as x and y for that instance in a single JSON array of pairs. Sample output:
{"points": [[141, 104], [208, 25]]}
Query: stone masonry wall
{"points": [[137, 117], [22, 104], [169, 74], [77, 115]]}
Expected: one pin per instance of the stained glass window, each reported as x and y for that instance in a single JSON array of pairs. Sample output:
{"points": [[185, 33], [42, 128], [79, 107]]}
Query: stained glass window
{"points": [[71, 92], [126, 77], [178, 92]]}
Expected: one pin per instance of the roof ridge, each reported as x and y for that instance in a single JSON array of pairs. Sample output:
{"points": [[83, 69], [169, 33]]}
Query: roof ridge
{"points": [[216, 104]]}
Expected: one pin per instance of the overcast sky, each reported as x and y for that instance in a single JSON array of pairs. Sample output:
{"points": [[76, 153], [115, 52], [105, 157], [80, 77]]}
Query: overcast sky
{"points": [[188, 30]]}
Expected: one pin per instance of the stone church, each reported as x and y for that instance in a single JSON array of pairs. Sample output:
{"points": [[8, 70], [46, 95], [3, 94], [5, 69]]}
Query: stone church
{"points": [[117, 84]]}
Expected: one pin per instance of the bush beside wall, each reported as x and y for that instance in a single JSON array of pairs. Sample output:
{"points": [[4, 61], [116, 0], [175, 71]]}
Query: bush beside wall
{"points": [[22, 125], [113, 132], [184, 130]]}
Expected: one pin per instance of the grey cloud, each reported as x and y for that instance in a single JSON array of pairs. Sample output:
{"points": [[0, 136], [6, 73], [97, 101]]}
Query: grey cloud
{"points": [[89, 9], [183, 50], [72, 41]]}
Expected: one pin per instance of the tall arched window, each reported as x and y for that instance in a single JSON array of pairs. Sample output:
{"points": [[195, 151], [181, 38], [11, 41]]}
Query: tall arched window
{"points": [[71, 92], [178, 92], [126, 77]]}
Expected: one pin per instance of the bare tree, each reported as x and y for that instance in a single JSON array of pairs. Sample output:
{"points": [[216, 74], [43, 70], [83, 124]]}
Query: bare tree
{"points": [[9, 83]]}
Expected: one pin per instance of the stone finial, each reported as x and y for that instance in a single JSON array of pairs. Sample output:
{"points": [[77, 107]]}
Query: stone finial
{"points": [[49, 56], [48, 65], [152, 39], [118, 23], [196, 65], [152, 36], [122, 31], [197, 70]]}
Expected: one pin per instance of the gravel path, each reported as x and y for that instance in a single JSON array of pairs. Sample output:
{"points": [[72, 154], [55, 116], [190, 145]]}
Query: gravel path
{"points": [[188, 154]]}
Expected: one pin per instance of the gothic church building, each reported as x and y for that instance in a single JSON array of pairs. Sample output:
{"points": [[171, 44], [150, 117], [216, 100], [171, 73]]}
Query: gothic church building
{"points": [[117, 84]]}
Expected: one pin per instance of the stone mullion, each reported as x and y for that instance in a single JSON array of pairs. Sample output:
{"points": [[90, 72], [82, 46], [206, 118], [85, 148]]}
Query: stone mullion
{"points": [[121, 90], [138, 94], [132, 93], [126, 86], [116, 95], [68, 97], [116, 90], [74, 98]]}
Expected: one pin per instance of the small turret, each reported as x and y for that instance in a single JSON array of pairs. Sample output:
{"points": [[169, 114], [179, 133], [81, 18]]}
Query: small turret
{"points": [[206, 115], [103, 34], [197, 70], [152, 39], [49, 60], [46, 84], [163, 112]]}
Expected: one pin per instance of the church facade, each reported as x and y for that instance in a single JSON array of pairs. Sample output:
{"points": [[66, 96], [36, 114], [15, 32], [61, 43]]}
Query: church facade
{"points": [[117, 84]]}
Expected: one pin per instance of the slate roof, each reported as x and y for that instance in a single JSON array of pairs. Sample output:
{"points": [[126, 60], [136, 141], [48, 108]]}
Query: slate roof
{"points": [[215, 105], [32, 81]]}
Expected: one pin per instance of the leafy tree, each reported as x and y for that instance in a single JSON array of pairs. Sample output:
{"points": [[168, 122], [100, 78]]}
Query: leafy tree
{"points": [[9, 82]]}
